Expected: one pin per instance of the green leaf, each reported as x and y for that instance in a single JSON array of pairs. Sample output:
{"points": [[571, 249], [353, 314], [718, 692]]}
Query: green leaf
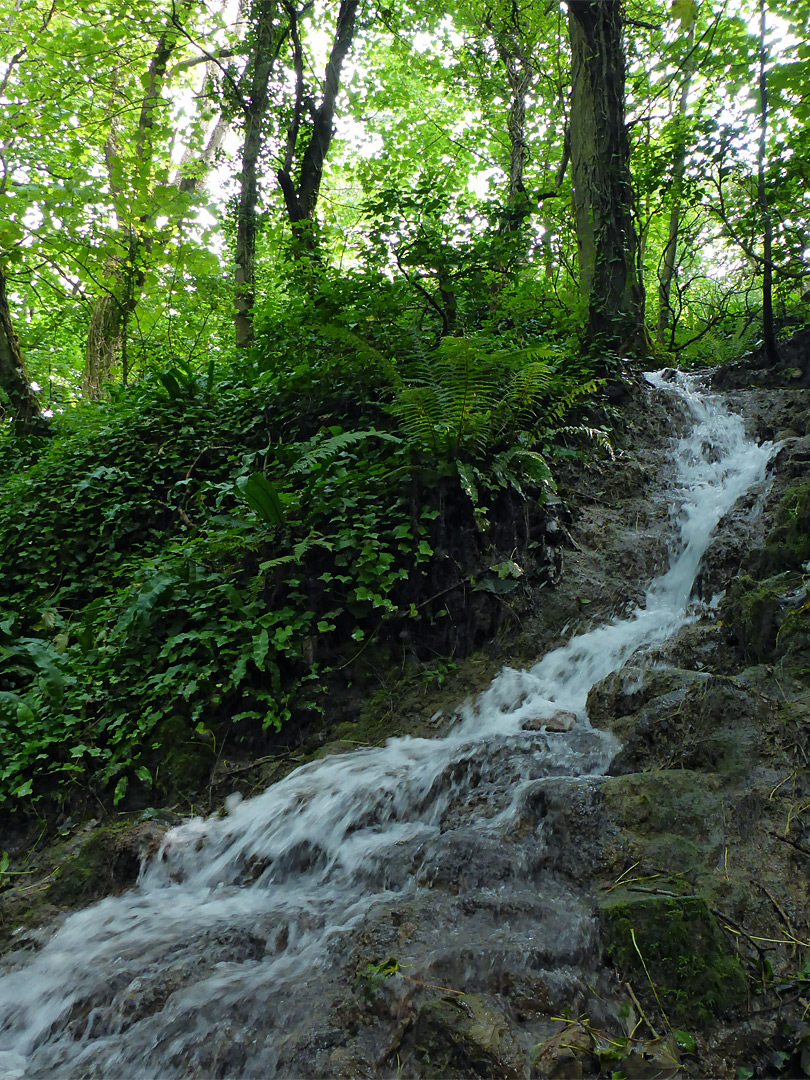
{"points": [[261, 643], [172, 385], [120, 790], [262, 497], [684, 1040]]}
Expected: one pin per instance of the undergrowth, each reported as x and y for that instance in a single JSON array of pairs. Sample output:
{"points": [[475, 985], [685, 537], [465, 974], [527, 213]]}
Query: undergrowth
{"points": [[197, 563]]}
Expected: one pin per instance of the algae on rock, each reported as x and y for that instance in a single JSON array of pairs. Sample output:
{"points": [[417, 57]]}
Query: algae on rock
{"points": [[673, 949]]}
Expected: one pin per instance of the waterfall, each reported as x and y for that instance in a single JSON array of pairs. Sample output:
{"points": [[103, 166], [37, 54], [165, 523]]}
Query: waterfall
{"points": [[233, 944]]}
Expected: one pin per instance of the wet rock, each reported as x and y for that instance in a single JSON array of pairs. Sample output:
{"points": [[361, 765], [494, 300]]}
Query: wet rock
{"points": [[464, 1036], [573, 825], [676, 956], [567, 1055], [670, 824], [624, 692], [705, 723], [560, 721], [755, 613], [94, 861]]}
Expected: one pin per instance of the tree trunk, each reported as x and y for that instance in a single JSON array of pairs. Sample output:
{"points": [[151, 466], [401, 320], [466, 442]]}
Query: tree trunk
{"points": [[302, 199], [768, 331], [666, 271], [22, 400], [269, 38], [106, 333], [602, 189]]}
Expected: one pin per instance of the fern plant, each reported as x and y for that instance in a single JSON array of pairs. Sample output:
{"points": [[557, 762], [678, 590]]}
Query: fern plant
{"points": [[466, 401], [449, 407], [323, 449]]}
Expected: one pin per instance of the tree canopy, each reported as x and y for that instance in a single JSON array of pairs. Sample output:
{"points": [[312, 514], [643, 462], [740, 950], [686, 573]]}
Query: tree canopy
{"points": [[169, 170], [302, 305]]}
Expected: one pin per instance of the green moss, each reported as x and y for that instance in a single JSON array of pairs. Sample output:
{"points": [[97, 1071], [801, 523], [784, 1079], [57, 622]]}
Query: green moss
{"points": [[753, 612], [185, 758], [793, 524], [675, 944], [788, 545]]}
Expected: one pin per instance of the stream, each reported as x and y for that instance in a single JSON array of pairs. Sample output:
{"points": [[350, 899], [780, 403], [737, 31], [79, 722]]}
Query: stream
{"points": [[238, 952]]}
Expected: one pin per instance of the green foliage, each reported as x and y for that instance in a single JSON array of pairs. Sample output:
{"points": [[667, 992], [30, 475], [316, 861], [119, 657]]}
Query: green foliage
{"points": [[470, 398], [186, 566], [674, 947], [262, 497]]}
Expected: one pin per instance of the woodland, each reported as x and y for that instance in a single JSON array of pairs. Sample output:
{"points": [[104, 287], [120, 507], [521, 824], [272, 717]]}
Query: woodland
{"points": [[302, 307], [317, 319]]}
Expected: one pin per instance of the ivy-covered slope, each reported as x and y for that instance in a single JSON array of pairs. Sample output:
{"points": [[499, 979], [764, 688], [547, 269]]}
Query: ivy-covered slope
{"points": [[205, 564]]}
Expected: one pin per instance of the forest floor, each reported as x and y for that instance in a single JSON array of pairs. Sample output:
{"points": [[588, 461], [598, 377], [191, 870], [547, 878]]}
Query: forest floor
{"points": [[699, 840]]}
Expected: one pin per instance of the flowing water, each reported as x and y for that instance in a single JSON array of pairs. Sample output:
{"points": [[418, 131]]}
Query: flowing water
{"points": [[239, 942]]}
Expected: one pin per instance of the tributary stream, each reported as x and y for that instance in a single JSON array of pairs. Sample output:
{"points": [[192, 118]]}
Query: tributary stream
{"points": [[232, 955]]}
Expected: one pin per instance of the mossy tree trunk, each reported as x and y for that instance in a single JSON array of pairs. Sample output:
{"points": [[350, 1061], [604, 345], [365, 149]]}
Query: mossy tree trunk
{"points": [[602, 188], [768, 330], [22, 399], [107, 331]]}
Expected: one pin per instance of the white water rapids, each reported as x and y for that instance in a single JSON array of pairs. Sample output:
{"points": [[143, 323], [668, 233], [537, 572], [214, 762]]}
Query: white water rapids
{"points": [[211, 965]]}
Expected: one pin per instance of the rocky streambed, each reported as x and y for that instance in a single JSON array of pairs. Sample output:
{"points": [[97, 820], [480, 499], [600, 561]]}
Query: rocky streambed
{"points": [[531, 917]]}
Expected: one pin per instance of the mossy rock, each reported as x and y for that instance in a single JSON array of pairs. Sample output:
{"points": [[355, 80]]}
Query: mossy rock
{"points": [[465, 1036], [97, 861], [108, 861], [185, 758], [791, 537], [787, 546], [675, 944], [754, 611]]}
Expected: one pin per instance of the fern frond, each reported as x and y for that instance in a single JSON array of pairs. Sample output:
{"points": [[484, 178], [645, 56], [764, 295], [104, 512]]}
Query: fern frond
{"points": [[420, 416], [530, 383], [530, 354], [467, 388], [600, 437], [535, 467], [329, 447], [363, 349]]}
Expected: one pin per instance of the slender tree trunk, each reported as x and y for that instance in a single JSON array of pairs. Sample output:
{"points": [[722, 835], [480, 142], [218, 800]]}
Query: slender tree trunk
{"points": [[301, 199], [509, 39], [768, 331], [602, 189], [520, 73], [23, 403], [106, 334], [669, 259], [195, 169], [269, 38]]}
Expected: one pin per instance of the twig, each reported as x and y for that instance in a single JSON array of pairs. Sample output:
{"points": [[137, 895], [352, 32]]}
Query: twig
{"points": [[793, 844], [734, 928], [649, 977], [642, 1014], [781, 911]]}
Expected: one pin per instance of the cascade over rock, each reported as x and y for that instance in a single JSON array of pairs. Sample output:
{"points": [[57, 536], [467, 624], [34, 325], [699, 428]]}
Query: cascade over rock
{"points": [[433, 906]]}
